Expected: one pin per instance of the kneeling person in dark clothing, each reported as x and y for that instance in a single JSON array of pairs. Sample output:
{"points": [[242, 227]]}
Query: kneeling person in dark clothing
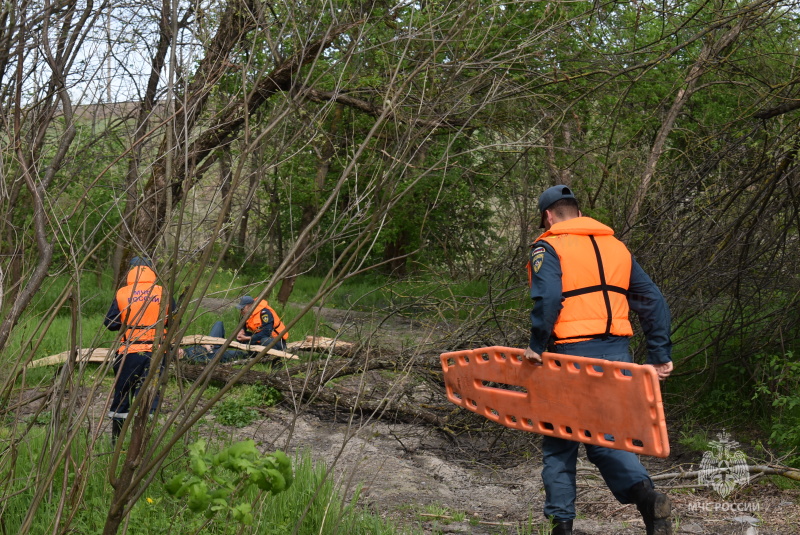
{"points": [[263, 324]]}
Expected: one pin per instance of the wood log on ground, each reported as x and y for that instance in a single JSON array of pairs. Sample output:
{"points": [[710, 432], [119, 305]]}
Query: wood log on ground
{"points": [[312, 388], [321, 344]]}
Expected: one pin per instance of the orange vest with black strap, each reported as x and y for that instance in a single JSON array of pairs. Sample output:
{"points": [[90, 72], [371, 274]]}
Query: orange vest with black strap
{"points": [[596, 274], [139, 304], [254, 322]]}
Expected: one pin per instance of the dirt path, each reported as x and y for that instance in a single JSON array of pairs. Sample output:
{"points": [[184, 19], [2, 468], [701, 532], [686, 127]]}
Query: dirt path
{"points": [[488, 481], [407, 471]]}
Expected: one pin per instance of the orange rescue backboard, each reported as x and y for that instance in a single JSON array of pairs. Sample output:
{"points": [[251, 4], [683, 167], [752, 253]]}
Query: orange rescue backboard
{"points": [[612, 404]]}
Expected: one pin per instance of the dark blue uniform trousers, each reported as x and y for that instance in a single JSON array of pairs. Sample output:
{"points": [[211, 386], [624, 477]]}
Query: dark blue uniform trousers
{"points": [[620, 469], [130, 370]]}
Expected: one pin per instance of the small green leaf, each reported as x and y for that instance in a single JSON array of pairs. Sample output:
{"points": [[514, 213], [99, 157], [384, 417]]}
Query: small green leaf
{"points": [[261, 480], [198, 497], [174, 485], [241, 513], [278, 481], [198, 448], [199, 466]]}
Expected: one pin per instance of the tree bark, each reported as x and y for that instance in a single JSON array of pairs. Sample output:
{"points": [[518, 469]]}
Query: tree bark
{"points": [[122, 251], [710, 50], [311, 208]]}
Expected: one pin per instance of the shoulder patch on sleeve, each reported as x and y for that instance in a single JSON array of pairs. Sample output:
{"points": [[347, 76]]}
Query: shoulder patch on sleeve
{"points": [[537, 258]]}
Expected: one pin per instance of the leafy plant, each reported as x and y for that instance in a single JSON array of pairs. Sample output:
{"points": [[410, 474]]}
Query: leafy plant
{"points": [[232, 412], [695, 440], [219, 482], [238, 410], [260, 395], [43, 418]]}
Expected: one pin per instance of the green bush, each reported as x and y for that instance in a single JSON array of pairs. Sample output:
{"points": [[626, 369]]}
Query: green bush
{"points": [[220, 482]]}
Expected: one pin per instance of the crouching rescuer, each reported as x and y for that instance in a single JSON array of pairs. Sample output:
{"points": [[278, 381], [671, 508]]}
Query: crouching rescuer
{"points": [[583, 283], [136, 311]]}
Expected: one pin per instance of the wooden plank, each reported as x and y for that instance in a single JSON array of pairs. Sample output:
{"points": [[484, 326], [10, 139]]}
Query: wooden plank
{"points": [[86, 355], [320, 344], [612, 404], [101, 354], [199, 339]]}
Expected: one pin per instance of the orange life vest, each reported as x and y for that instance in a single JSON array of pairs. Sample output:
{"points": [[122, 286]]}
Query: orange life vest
{"points": [[596, 274], [139, 303], [254, 322]]}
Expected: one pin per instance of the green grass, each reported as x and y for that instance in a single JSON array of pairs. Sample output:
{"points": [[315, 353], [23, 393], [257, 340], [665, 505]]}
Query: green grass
{"points": [[317, 505], [783, 483], [238, 409], [420, 297], [694, 438], [313, 502], [96, 293]]}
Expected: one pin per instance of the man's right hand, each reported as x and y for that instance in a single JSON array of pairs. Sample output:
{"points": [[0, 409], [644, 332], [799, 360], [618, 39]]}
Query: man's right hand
{"points": [[532, 356], [242, 337]]}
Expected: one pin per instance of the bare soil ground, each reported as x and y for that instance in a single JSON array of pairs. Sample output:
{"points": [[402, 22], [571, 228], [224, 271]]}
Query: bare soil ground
{"points": [[408, 472], [417, 476]]}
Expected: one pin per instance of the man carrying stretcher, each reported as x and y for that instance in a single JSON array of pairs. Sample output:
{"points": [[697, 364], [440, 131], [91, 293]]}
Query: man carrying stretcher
{"points": [[584, 282]]}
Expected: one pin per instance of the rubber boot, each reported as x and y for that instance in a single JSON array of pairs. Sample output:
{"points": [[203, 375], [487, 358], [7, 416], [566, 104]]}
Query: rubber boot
{"points": [[562, 528], [655, 507], [116, 429]]}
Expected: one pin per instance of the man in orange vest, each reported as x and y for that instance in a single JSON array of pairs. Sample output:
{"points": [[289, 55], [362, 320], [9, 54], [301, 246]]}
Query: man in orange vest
{"points": [[263, 324], [584, 282], [136, 311]]}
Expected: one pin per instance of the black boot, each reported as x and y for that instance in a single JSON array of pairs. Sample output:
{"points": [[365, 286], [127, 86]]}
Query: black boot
{"points": [[116, 429], [655, 507], [562, 528]]}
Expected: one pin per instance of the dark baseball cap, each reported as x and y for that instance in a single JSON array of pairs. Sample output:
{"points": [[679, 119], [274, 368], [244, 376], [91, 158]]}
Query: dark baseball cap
{"points": [[141, 261], [244, 301], [550, 196]]}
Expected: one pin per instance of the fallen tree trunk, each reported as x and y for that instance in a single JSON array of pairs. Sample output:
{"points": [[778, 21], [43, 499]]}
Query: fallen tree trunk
{"points": [[311, 388], [200, 339], [321, 344]]}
